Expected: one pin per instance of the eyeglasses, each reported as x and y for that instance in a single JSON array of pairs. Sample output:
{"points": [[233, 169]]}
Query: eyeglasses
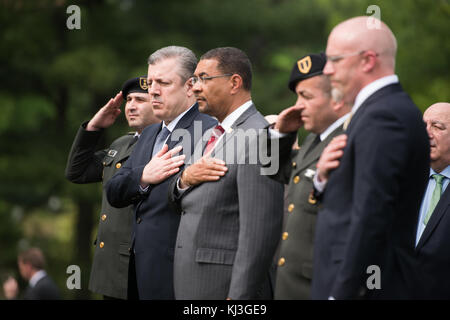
{"points": [[337, 58], [202, 79]]}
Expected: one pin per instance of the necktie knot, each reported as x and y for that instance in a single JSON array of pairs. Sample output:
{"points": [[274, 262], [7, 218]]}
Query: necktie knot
{"points": [[438, 178], [215, 134]]}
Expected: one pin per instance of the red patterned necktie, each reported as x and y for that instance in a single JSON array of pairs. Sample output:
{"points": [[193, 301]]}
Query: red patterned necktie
{"points": [[215, 135]]}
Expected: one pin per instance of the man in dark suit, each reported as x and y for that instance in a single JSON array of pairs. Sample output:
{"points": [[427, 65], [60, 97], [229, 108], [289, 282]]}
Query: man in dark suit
{"points": [[322, 115], [143, 180], [40, 286], [231, 215], [87, 164], [365, 230], [433, 236]]}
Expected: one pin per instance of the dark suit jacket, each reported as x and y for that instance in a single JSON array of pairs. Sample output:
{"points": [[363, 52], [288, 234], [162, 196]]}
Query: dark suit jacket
{"points": [[155, 224], [109, 272], [372, 200], [433, 254], [294, 273], [229, 228], [45, 289]]}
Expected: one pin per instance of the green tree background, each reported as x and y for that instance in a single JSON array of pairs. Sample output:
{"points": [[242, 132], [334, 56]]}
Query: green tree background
{"points": [[53, 78]]}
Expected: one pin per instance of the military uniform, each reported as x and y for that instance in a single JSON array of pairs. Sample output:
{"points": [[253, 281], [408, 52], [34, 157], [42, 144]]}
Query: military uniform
{"points": [[297, 169], [109, 273], [294, 272]]}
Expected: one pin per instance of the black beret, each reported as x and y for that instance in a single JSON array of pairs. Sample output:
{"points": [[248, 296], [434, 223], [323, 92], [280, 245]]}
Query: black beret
{"points": [[307, 67], [138, 84]]}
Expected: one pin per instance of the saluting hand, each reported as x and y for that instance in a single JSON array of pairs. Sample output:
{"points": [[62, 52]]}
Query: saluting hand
{"points": [[289, 120], [329, 159], [162, 166], [107, 115]]}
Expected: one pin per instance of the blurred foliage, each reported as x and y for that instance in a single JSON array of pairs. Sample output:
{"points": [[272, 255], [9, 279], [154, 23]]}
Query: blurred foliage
{"points": [[53, 78]]}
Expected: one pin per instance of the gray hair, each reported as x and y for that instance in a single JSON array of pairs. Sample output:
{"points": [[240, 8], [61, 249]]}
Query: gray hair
{"points": [[186, 59]]}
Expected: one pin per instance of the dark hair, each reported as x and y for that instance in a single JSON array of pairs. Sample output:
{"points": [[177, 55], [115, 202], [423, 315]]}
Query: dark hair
{"points": [[34, 257], [234, 61]]}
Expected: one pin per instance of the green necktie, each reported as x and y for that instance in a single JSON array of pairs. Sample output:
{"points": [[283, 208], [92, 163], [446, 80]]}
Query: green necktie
{"points": [[435, 196]]}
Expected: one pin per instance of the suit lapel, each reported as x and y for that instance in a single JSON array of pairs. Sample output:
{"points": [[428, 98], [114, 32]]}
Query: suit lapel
{"points": [[437, 215], [304, 161], [153, 132], [314, 154], [183, 123], [392, 88], [126, 151]]}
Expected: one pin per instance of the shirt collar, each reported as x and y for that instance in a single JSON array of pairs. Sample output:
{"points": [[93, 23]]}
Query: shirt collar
{"points": [[333, 126], [228, 122], [171, 126], [36, 277], [445, 172], [371, 88]]}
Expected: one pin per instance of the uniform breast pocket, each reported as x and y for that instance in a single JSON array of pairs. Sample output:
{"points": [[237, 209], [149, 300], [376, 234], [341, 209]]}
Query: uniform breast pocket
{"points": [[311, 203], [107, 161]]}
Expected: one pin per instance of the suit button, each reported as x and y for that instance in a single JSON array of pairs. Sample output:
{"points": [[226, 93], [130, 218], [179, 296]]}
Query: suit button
{"points": [[103, 217], [285, 235], [294, 164], [102, 244], [296, 179], [118, 165], [129, 249], [138, 220], [281, 261], [104, 163], [291, 207]]}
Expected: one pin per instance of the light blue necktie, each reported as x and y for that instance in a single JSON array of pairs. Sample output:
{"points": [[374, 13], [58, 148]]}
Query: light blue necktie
{"points": [[160, 139], [435, 196]]}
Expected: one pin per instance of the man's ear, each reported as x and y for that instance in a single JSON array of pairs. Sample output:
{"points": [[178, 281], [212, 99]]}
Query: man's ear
{"points": [[236, 83], [369, 60], [337, 106], [188, 86]]}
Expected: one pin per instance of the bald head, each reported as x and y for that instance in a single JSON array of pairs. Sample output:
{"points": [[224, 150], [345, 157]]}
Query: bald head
{"points": [[361, 34], [359, 52], [437, 119]]}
